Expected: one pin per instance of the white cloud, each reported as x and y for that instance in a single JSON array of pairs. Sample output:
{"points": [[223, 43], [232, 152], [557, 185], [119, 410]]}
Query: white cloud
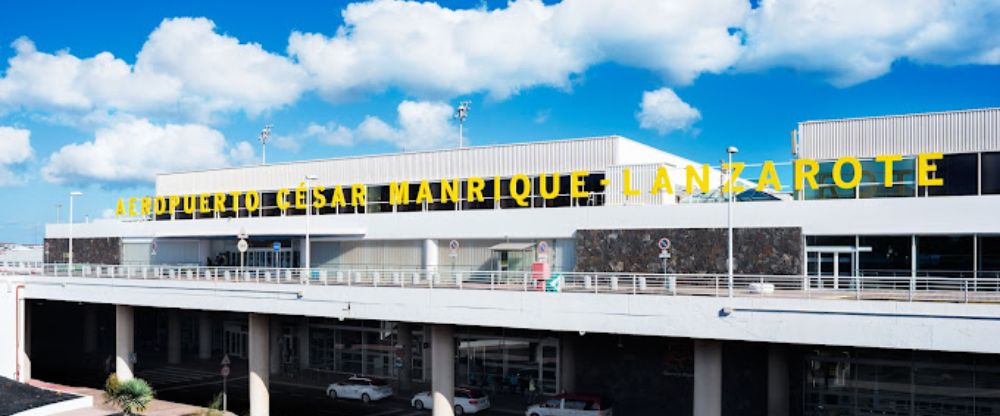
{"points": [[662, 110], [15, 148], [851, 41], [422, 125], [135, 151], [330, 133], [184, 68], [428, 49], [218, 72]]}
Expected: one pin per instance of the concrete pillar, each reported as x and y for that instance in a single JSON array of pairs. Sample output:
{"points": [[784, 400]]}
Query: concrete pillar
{"points": [[204, 336], [24, 350], [777, 381], [124, 341], [443, 369], [259, 351], [303, 334], [404, 339], [567, 362], [430, 255], [90, 328], [173, 336], [707, 378]]}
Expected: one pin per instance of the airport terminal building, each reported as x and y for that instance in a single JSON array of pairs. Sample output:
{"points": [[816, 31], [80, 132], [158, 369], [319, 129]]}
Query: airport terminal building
{"points": [[597, 265]]}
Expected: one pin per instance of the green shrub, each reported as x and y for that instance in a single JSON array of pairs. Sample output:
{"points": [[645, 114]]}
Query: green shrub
{"points": [[131, 396]]}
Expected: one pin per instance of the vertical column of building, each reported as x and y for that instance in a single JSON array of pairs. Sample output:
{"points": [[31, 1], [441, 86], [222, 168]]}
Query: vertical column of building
{"points": [[430, 258], [204, 336], [24, 350], [404, 339], [707, 378], [173, 336], [567, 362], [777, 380], [443, 369], [260, 364], [90, 328], [124, 341]]}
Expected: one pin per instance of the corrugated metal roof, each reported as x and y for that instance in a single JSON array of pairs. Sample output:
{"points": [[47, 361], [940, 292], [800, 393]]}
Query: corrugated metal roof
{"points": [[976, 130], [594, 154]]}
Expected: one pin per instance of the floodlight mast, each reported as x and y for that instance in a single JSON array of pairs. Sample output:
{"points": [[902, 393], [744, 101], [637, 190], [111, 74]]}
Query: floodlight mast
{"points": [[461, 114], [265, 134]]}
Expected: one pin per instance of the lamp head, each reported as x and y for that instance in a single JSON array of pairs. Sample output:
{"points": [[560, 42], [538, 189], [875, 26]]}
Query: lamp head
{"points": [[732, 150], [75, 193]]}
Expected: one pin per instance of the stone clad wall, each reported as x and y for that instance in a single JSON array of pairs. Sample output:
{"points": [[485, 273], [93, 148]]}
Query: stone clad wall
{"points": [[85, 250], [693, 250]]}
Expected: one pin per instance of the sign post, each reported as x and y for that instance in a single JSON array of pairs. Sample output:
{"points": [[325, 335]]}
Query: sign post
{"points": [[453, 253], [242, 245], [664, 245], [225, 375]]}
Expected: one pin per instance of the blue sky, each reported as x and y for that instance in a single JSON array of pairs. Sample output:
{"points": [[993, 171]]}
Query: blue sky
{"points": [[98, 97]]}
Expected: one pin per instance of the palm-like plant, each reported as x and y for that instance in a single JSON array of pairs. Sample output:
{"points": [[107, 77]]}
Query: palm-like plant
{"points": [[131, 396]]}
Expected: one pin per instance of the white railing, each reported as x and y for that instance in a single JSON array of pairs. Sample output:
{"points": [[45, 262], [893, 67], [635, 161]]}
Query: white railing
{"points": [[899, 288]]}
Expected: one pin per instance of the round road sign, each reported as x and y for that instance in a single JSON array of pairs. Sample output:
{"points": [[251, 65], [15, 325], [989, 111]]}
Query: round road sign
{"points": [[225, 371], [543, 247], [242, 246], [453, 245], [663, 244]]}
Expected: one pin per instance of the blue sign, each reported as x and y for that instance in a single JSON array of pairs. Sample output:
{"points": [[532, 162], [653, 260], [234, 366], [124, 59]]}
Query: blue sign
{"points": [[277, 246]]}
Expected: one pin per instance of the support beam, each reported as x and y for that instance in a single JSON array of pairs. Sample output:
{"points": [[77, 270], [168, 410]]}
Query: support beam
{"points": [[707, 378], [124, 341], [90, 328], [567, 362], [404, 339], [777, 381], [260, 364], [173, 337], [443, 369], [204, 336]]}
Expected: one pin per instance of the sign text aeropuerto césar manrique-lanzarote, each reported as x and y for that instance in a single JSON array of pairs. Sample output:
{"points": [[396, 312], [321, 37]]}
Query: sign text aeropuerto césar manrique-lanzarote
{"points": [[519, 187]]}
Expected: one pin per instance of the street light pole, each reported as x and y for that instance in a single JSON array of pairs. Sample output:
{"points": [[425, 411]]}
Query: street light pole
{"points": [[72, 196], [308, 250], [729, 210]]}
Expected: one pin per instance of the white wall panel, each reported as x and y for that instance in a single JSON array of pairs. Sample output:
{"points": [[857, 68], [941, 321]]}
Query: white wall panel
{"points": [[946, 132]]}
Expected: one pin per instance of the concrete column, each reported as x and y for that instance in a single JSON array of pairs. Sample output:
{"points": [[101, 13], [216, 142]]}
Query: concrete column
{"points": [[443, 369], [777, 381], [24, 329], [707, 378], [90, 328], [259, 350], [173, 336], [303, 334], [430, 255], [124, 341], [404, 339], [567, 362], [204, 336]]}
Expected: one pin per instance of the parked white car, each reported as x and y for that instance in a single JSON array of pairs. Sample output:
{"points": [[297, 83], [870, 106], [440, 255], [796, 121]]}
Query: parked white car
{"points": [[467, 401], [360, 388], [571, 405]]}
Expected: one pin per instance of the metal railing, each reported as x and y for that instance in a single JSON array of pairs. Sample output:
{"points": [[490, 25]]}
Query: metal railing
{"points": [[899, 288]]}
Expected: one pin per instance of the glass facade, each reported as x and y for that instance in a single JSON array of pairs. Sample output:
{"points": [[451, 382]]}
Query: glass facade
{"points": [[853, 381], [367, 348]]}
